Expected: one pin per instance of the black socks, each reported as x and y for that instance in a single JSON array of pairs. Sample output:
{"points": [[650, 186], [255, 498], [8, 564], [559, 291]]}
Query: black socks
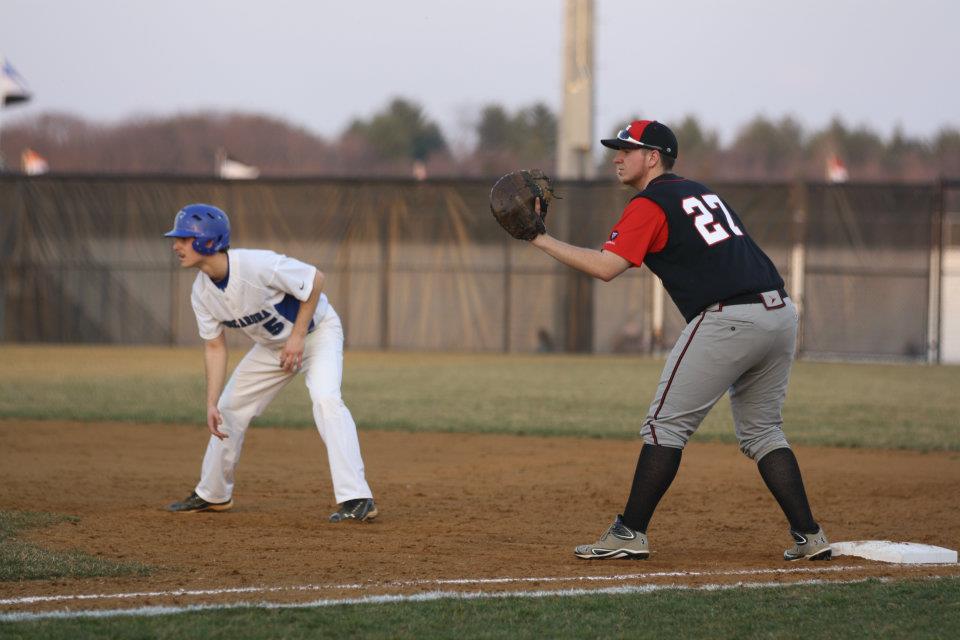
{"points": [[656, 468], [781, 473]]}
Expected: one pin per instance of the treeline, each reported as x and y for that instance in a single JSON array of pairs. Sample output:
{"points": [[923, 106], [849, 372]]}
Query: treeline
{"points": [[401, 140]]}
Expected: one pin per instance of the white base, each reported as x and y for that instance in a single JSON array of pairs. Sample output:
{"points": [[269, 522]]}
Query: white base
{"points": [[901, 552]]}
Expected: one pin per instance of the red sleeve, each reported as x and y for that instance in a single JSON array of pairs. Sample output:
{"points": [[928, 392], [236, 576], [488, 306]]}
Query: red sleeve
{"points": [[642, 229]]}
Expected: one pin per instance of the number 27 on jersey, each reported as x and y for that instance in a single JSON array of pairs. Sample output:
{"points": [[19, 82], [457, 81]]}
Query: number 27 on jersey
{"points": [[703, 209]]}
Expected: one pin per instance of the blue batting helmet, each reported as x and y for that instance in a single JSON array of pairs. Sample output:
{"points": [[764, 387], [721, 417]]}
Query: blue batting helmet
{"points": [[206, 224]]}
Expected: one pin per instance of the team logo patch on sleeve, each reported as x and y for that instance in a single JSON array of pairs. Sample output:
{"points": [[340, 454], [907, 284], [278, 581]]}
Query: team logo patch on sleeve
{"points": [[613, 235]]}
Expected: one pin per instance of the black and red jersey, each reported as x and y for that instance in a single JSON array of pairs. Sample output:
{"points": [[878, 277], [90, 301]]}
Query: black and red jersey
{"points": [[703, 255]]}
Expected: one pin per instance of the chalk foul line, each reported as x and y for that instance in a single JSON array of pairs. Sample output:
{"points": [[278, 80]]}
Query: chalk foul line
{"points": [[439, 582], [418, 597]]}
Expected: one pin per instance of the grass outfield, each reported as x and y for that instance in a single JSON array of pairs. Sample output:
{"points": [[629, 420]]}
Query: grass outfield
{"points": [[858, 405], [915, 609]]}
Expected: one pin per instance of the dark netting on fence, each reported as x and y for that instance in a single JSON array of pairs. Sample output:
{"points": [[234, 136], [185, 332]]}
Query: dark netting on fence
{"points": [[424, 266], [867, 277]]}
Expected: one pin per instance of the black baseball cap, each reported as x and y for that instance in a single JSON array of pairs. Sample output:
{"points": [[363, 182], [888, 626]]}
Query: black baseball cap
{"points": [[645, 134]]}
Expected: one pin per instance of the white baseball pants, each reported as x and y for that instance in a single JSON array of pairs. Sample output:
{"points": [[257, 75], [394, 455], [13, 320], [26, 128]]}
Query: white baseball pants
{"points": [[256, 381]]}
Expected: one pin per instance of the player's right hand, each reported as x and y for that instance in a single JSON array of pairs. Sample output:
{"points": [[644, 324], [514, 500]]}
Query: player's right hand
{"points": [[214, 420]]}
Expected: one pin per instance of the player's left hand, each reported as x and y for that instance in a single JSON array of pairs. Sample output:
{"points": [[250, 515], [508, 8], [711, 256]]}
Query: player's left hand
{"points": [[519, 202], [291, 355], [214, 421]]}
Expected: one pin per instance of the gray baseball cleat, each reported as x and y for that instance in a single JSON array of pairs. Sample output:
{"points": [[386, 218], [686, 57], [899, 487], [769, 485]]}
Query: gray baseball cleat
{"points": [[618, 541], [810, 546], [361, 510], [195, 504]]}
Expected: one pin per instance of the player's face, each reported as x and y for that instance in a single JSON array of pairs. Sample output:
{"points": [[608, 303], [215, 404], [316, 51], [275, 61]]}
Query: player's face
{"points": [[183, 247], [633, 166]]}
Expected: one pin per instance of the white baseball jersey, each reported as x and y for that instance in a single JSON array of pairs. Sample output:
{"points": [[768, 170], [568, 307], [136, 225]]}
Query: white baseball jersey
{"points": [[260, 295]]}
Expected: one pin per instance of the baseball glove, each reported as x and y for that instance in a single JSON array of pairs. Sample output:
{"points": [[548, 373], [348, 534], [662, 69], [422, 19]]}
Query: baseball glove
{"points": [[512, 202]]}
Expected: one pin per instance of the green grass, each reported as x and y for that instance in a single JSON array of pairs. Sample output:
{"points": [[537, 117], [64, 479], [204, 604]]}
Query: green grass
{"points": [[917, 609], [857, 405], [22, 561]]}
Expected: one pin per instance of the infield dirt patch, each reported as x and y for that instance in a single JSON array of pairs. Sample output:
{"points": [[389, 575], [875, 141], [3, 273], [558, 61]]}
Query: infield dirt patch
{"points": [[452, 507]]}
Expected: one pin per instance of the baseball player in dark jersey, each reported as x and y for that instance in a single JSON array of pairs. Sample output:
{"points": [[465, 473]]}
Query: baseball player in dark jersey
{"points": [[740, 336]]}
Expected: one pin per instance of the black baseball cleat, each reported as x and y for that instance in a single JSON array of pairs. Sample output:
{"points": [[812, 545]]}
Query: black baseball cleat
{"points": [[195, 504], [360, 509]]}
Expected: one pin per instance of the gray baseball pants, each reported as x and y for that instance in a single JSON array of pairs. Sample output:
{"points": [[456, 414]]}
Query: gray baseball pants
{"points": [[747, 349]]}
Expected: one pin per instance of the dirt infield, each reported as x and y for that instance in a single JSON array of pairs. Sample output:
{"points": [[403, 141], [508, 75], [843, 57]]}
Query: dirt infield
{"points": [[458, 512]]}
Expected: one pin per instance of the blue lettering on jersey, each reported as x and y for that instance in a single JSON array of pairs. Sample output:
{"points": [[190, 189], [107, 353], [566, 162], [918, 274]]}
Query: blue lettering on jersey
{"points": [[274, 326], [246, 321], [286, 309]]}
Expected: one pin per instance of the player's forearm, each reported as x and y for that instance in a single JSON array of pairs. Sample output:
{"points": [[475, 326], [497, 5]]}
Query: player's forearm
{"points": [[308, 307], [215, 366], [589, 261]]}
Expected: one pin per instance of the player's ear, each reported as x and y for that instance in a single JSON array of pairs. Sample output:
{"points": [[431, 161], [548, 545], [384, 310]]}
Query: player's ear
{"points": [[655, 157]]}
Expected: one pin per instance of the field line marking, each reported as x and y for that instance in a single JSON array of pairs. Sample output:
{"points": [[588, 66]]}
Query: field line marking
{"points": [[427, 582], [417, 597]]}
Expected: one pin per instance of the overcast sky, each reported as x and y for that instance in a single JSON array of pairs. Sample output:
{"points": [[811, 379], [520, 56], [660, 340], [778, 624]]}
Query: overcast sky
{"points": [[319, 63]]}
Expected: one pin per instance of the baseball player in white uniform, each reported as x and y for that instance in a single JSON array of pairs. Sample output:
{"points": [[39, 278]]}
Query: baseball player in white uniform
{"points": [[278, 302]]}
